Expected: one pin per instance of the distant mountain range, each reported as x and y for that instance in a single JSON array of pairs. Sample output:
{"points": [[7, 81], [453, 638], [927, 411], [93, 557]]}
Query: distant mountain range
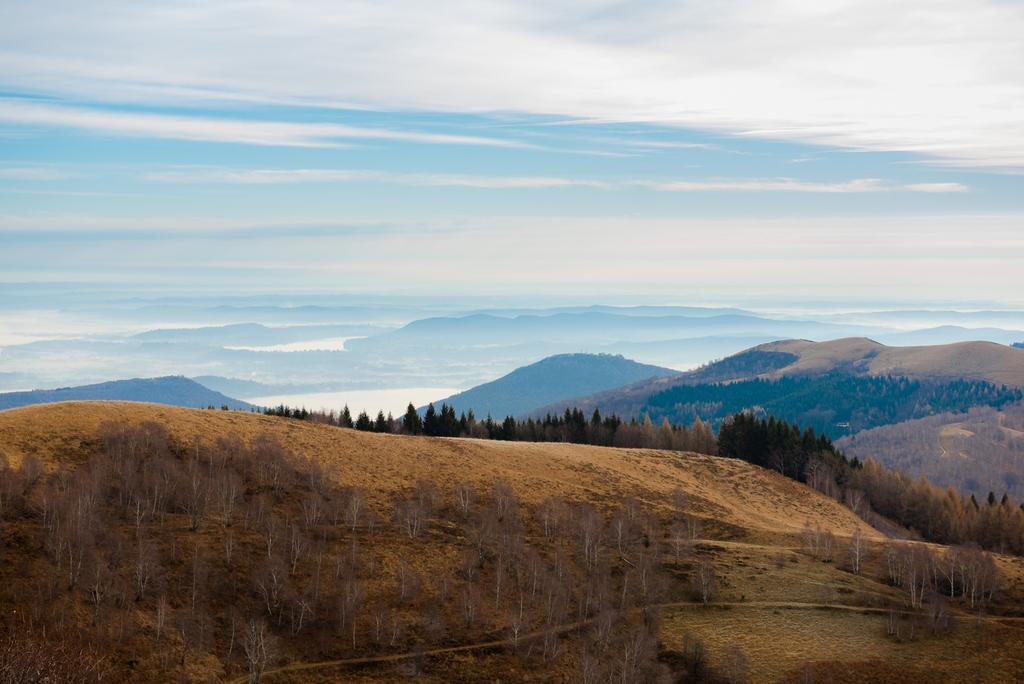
{"points": [[173, 390], [552, 379], [975, 361], [253, 334]]}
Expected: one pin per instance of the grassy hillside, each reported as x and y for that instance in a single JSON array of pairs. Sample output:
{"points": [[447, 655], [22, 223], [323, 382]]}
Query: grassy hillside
{"points": [[549, 380], [989, 361], [979, 361], [785, 602], [172, 390], [736, 494]]}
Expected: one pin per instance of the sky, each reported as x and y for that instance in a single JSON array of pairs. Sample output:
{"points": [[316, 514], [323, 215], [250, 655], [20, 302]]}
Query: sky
{"points": [[673, 150]]}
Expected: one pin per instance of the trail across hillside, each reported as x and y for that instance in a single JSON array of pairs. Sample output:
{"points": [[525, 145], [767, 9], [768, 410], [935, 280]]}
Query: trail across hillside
{"points": [[563, 629]]}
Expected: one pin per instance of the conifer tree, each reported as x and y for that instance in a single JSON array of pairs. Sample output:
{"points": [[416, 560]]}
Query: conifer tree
{"points": [[411, 422]]}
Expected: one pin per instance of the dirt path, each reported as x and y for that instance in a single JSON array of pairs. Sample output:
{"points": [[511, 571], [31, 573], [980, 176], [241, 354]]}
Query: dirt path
{"points": [[563, 629]]}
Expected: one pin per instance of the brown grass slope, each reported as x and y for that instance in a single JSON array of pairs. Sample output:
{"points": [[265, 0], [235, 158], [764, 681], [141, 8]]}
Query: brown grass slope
{"points": [[787, 610], [996, 363], [735, 494]]}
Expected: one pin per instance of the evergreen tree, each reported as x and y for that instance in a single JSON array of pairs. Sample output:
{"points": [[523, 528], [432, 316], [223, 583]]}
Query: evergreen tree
{"points": [[411, 422], [345, 419], [431, 424]]}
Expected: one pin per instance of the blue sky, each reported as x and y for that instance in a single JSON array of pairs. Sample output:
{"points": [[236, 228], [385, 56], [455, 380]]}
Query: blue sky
{"points": [[769, 148]]}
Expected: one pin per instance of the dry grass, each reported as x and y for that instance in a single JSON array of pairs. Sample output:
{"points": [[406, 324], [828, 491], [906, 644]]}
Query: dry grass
{"points": [[734, 493], [781, 641], [972, 360], [782, 607]]}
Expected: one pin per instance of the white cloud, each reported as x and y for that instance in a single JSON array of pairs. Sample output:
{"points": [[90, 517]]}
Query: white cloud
{"points": [[284, 176], [278, 176], [936, 77], [792, 185], [253, 132], [937, 187], [32, 173], [773, 185]]}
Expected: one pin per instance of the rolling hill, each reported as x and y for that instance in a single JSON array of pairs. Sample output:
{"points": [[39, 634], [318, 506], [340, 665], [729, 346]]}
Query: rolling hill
{"points": [[172, 390], [549, 380], [326, 554], [976, 361]]}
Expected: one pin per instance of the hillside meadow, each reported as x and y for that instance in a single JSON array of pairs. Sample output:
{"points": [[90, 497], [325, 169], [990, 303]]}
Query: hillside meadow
{"points": [[205, 545]]}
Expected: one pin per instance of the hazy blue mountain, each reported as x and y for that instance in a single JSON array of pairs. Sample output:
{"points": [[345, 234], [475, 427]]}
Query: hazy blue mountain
{"points": [[691, 311], [550, 380], [253, 334], [947, 334], [591, 328], [173, 390]]}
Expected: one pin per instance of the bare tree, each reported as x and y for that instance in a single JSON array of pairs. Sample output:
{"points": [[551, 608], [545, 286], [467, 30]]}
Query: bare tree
{"points": [[464, 496], [353, 507], [704, 580], [257, 644], [855, 551], [680, 541], [298, 545]]}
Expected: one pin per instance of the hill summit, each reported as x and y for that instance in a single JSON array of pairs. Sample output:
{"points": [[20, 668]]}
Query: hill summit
{"points": [[173, 390], [550, 380]]}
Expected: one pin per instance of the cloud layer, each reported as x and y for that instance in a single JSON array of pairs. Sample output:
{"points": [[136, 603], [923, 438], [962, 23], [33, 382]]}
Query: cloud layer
{"points": [[936, 77], [285, 176]]}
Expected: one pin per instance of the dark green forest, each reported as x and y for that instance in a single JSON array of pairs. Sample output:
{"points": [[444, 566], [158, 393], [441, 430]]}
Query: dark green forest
{"points": [[834, 404]]}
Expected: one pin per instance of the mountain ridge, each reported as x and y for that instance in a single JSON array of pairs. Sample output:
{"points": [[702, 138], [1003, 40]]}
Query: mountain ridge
{"points": [[170, 390], [551, 379], [984, 361]]}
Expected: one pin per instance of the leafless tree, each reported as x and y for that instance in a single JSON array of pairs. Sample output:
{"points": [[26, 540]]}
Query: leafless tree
{"points": [[855, 551], [258, 646], [353, 507], [680, 541], [298, 546], [704, 580], [551, 512], [464, 496]]}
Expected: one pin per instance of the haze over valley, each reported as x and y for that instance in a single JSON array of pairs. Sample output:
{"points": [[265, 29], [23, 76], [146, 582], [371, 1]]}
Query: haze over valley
{"points": [[574, 341]]}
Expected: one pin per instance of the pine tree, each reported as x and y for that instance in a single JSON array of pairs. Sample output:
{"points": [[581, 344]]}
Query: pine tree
{"points": [[431, 426], [345, 419], [411, 422]]}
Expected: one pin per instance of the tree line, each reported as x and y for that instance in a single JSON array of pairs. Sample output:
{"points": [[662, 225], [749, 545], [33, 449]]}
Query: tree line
{"points": [[573, 426], [939, 515]]}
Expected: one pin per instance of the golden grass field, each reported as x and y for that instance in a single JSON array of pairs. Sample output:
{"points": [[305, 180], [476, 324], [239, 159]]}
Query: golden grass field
{"points": [[792, 615], [996, 363]]}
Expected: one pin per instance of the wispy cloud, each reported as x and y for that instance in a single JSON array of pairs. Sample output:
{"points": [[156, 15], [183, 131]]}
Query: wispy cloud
{"points": [[941, 79], [208, 129], [32, 173], [284, 176], [937, 187], [858, 185]]}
